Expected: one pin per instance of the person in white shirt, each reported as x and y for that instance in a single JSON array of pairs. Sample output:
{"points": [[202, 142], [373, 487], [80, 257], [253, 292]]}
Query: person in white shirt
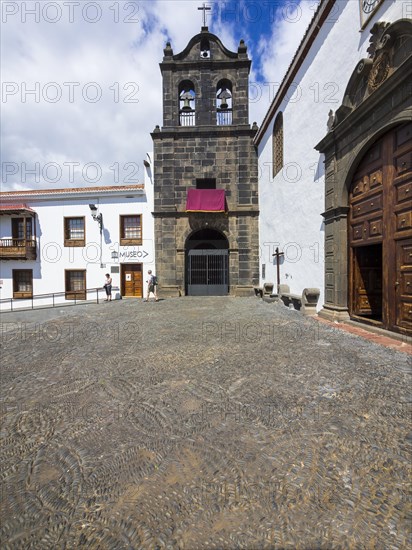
{"points": [[151, 286], [108, 287]]}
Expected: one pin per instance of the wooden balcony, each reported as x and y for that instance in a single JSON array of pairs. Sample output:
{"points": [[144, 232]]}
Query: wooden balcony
{"points": [[18, 249]]}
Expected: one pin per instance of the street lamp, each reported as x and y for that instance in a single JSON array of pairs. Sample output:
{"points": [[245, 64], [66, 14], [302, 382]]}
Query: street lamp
{"points": [[99, 219]]}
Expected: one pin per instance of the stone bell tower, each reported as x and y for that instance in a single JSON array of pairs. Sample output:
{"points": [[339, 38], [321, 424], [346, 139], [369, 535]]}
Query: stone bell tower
{"points": [[206, 173]]}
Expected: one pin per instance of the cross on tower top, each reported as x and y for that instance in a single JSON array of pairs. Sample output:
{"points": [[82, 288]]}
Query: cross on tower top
{"points": [[204, 9]]}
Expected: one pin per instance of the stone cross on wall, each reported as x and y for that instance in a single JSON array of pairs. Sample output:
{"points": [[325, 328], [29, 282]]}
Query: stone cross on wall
{"points": [[278, 255]]}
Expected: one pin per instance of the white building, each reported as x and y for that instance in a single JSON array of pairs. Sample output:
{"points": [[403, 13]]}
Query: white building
{"points": [[64, 241], [344, 39]]}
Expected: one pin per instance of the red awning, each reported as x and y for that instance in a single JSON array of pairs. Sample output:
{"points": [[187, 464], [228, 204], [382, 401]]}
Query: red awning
{"points": [[15, 209], [206, 200]]}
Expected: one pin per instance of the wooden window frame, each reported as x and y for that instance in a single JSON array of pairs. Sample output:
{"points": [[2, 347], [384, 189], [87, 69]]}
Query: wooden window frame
{"points": [[74, 242], [75, 294], [124, 241], [277, 144], [27, 222], [17, 294]]}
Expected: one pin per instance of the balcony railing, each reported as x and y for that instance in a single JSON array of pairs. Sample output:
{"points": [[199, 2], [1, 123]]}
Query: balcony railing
{"points": [[18, 249], [224, 117], [187, 118]]}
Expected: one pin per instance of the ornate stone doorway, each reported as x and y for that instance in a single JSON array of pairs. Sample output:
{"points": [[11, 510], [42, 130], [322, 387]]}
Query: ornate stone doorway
{"points": [[368, 186], [207, 264], [380, 225]]}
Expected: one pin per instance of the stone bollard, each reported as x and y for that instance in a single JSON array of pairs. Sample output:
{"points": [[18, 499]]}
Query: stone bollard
{"points": [[268, 288], [310, 297]]}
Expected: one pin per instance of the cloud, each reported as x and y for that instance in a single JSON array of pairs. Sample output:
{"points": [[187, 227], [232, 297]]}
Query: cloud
{"points": [[274, 52], [77, 91], [82, 86], [277, 51]]}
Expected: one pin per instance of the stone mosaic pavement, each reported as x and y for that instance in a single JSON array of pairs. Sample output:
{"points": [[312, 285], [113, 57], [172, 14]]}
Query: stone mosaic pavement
{"points": [[201, 423]]}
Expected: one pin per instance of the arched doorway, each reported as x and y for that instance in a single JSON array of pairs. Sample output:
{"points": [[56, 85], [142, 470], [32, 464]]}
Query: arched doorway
{"points": [[380, 233], [207, 264]]}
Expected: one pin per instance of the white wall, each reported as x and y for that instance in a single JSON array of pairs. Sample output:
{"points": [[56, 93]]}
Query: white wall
{"points": [[53, 257], [291, 203]]}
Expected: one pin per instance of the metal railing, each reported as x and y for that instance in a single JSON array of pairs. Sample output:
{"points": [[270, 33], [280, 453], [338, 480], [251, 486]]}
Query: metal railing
{"points": [[55, 299]]}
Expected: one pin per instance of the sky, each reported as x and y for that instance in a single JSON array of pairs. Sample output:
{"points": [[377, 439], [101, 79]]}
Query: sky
{"points": [[82, 89]]}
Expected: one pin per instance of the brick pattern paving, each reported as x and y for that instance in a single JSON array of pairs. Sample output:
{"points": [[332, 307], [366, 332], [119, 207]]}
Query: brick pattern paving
{"points": [[401, 344], [200, 423]]}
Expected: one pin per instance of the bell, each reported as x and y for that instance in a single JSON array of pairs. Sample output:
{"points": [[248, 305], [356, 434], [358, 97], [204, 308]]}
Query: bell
{"points": [[224, 96], [187, 98]]}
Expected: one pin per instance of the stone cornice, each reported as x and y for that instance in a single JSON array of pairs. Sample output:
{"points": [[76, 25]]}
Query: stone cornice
{"points": [[208, 64], [336, 213], [174, 132], [231, 213]]}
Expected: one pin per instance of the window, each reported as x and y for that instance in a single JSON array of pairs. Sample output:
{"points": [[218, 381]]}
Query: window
{"points": [[22, 283], [187, 103], [74, 232], [277, 144], [224, 103], [17, 228], [206, 183], [130, 230], [75, 284]]}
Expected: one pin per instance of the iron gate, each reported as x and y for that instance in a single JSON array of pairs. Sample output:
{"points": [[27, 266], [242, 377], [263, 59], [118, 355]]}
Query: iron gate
{"points": [[207, 272]]}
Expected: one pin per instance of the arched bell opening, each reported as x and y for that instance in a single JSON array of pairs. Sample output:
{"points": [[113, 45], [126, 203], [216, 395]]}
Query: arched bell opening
{"points": [[224, 103], [187, 103]]}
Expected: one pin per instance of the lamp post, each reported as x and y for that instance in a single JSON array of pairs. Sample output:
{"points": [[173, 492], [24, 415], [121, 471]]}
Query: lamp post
{"points": [[99, 219]]}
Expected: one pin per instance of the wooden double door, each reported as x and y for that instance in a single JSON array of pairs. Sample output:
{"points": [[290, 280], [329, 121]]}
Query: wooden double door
{"points": [[380, 234], [131, 280]]}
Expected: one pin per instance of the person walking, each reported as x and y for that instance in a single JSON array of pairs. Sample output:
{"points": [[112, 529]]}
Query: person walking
{"points": [[151, 286], [108, 287]]}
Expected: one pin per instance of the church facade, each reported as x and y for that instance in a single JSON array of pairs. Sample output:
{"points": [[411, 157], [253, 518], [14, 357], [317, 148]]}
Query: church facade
{"points": [[205, 173], [337, 144]]}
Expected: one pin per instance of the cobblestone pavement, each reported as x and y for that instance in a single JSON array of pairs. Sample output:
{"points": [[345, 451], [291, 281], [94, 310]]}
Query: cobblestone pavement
{"points": [[200, 423]]}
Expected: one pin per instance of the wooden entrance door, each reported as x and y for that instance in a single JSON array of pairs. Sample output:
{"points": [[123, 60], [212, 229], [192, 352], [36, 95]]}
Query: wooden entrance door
{"points": [[380, 233], [367, 284], [132, 280], [404, 284]]}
